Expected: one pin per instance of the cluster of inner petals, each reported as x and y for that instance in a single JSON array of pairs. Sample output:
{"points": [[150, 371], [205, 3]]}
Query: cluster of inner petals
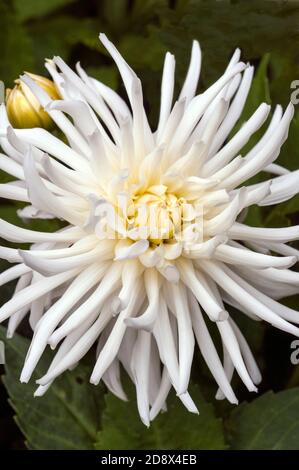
{"points": [[158, 215]]}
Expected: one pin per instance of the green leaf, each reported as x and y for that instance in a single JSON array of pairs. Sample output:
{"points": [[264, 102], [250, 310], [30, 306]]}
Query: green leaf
{"points": [[174, 429], [254, 216], [5, 177], [67, 417], [269, 422], [284, 209], [282, 71], [114, 13], [33, 9], [63, 33], [141, 52]]}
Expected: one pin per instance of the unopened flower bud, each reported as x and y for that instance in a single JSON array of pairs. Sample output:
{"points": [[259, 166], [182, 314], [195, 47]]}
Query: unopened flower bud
{"points": [[23, 109]]}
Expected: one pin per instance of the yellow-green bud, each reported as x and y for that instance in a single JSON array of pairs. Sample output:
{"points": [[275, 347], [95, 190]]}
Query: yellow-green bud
{"points": [[23, 109]]}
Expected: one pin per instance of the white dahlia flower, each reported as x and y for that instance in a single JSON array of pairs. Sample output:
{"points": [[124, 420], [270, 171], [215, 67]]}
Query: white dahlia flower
{"points": [[153, 243]]}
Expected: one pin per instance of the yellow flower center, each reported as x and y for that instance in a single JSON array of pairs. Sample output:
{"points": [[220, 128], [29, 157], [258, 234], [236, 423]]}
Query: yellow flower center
{"points": [[157, 215]]}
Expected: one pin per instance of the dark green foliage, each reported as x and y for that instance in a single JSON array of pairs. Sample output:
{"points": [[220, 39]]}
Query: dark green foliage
{"points": [[67, 417], [75, 415], [174, 429]]}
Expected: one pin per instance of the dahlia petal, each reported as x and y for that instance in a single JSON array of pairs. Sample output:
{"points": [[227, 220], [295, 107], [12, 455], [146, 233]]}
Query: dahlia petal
{"points": [[244, 232], [127, 144], [13, 273], [169, 271], [42, 198], [130, 281], [188, 403], [78, 247], [10, 254], [16, 193], [74, 137], [16, 318], [80, 285], [92, 98], [228, 92], [185, 335], [229, 369], [110, 282], [112, 345], [130, 273], [167, 87], [166, 344], [210, 121], [130, 251], [232, 346], [256, 193], [266, 284], [282, 189], [228, 169], [114, 101], [265, 156], [275, 121], [163, 392], [79, 348], [48, 267], [233, 255], [111, 379], [37, 308], [126, 349], [192, 77], [276, 169], [61, 353], [249, 360], [235, 58], [234, 111], [33, 292], [57, 77], [225, 219], [241, 138], [147, 319], [224, 278], [196, 284], [204, 249], [155, 374], [62, 178], [191, 162], [11, 167], [280, 248], [45, 141], [125, 70], [198, 105], [233, 303], [81, 115], [141, 131], [140, 365], [149, 167], [209, 351]]}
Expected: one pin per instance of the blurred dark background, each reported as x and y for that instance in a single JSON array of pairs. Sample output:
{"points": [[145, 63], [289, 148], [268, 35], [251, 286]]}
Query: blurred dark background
{"points": [[267, 32]]}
